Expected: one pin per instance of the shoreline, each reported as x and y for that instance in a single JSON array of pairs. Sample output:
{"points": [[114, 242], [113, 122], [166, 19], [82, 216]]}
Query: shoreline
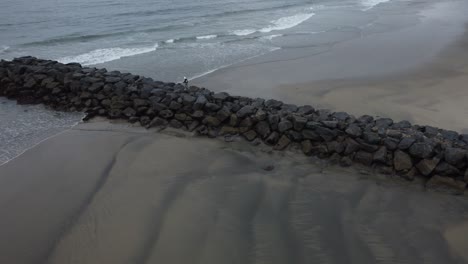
{"points": [[368, 75]]}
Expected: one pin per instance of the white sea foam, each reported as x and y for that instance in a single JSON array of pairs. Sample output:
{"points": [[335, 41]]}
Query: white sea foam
{"points": [[243, 32], [4, 49], [105, 55], [270, 37], [287, 22], [227, 65], [369, 4], [207, 37], [169, 41]]}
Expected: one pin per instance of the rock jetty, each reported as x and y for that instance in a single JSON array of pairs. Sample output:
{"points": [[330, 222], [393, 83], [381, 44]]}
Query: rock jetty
{"points": [[401, 148]]}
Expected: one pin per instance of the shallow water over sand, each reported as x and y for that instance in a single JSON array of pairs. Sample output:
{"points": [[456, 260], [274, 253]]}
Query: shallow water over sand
{"points": [[109, 194]]}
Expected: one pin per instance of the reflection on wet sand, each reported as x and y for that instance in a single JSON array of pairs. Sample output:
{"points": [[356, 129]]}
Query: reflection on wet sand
{"points": [[107, 194]]}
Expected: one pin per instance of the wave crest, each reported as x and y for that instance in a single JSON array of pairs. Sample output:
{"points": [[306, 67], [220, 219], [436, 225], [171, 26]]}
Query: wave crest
{"points": [[105, 55]]}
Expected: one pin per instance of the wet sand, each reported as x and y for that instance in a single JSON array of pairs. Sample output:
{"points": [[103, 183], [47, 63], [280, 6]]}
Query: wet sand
{"points": [[106, 193], [417, 72]]}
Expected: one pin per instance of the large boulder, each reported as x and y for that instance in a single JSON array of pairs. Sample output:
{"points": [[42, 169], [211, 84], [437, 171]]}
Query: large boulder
{"points": [[402, 161], [246, 111], [284, 126], [427, 166], [446, 184], [354, 130], [263, 129], [421, 150], [455, 156]]}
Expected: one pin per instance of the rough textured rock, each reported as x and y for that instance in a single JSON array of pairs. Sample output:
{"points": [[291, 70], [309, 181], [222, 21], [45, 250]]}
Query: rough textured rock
{"points": [[421, 150], [455, 156], [354, 130], [363, 157], [402, 161], [284, 126], [427, 166], [263, 129], [441, 183], [283, 142]]}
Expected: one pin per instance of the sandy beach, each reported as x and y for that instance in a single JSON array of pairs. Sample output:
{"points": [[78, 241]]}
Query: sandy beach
{"points": [[109, 192], [145, 197], [421, 78]]}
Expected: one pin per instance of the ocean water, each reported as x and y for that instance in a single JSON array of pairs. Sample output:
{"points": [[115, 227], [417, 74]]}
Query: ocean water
{"points": [[182, 37], [163, 39]]}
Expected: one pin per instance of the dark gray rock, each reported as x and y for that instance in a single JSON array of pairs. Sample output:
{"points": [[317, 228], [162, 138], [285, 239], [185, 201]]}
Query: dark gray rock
{"points": [[299, 122], [233, 120], [427, 166], [166, 114], [228, 130], [247, 122], [455, 156], [250, 135], [371, 138], [129, 112], [263, 129], [140, 102], [335, 146], [305, 110], [406, 143], [274, 104], [295, 136], [351, 146], [198, 114], [274, 121], [223, 114], [272, 138], [402, 161], [346, 162], [188, 99], [354, 130], [310, 134], [448, 134], [260, 115], [381, 155], [401, 125], [391, 143], [211, 107], [176, 123], [383, 122], [464, 138], [211, 121], [394, 133], [307, 147], [445, 169], [445, 184], [284, 126], [330, 124], [421, 150], [283, 142], [365, 119], [220, 96], [341, 116], [200, 102], [144, 121], [175, 106], [246, 111], [180, 116], [326, 133], [363, 157]]}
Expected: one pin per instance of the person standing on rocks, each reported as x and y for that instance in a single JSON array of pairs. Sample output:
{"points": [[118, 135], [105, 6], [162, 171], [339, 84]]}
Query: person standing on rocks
{"points": [[186, 82]]}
